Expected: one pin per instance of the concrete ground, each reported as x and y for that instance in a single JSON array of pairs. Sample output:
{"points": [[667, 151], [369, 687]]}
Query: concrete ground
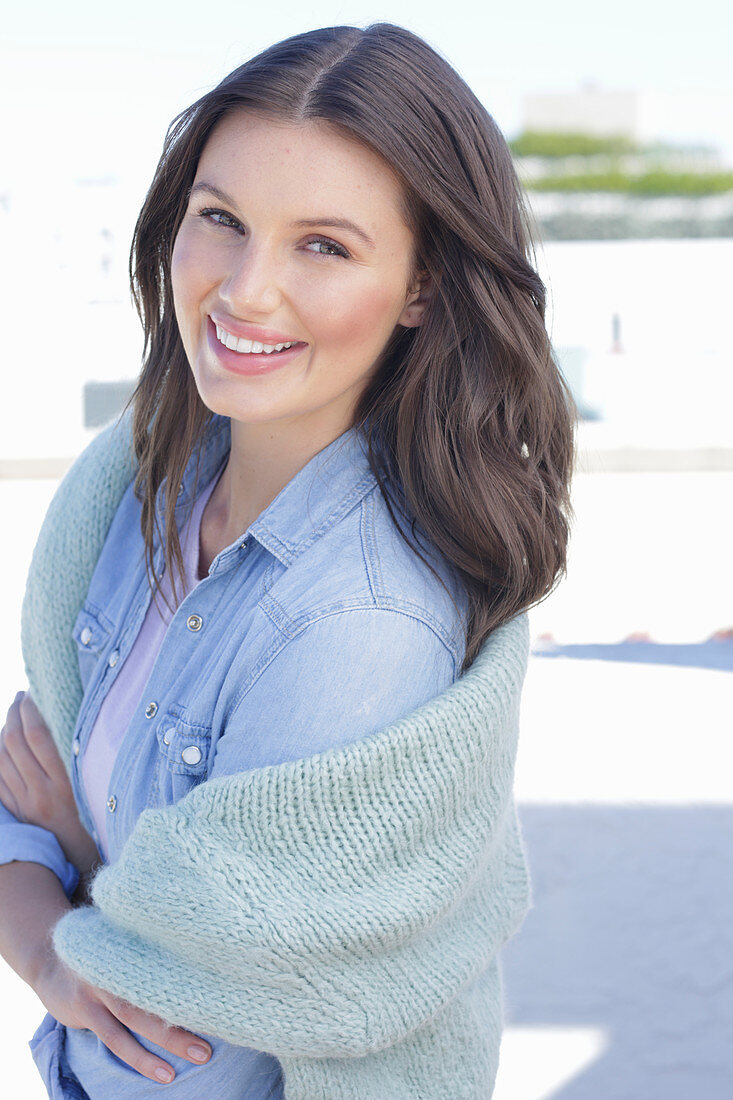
{"points": [[620, 983]]}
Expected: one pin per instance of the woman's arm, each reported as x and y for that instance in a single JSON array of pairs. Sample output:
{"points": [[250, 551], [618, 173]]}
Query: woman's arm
{"points": [[36, 790], [35, 787], [32, 900], [20, 840], [39, 808]]}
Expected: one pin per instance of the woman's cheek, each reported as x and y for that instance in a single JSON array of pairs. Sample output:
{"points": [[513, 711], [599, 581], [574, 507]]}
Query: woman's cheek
{"points": [[365, 318], [180, 264], [190, 283], [183, 257]]}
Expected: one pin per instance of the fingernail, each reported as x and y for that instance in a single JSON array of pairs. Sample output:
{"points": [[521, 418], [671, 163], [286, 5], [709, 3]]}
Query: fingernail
{"points": [[199, 1054], [164, 1075]]}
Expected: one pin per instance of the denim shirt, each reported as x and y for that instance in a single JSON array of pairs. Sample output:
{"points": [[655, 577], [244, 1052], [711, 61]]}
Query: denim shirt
{"points": [[315, 627]]}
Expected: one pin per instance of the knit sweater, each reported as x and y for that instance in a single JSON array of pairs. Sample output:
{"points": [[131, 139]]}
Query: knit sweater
{"points": [[344, 911]]}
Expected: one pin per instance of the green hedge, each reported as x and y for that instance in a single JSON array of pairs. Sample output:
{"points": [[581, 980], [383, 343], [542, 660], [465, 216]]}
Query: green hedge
{"points": [[538, 143], [655, 183]]}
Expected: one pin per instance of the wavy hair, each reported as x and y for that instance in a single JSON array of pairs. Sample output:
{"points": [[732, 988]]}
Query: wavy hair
{"points": [[468, 413]]}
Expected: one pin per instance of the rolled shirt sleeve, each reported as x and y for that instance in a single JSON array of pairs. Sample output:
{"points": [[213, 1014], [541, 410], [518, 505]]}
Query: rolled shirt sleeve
{"points": [[34, 844]]}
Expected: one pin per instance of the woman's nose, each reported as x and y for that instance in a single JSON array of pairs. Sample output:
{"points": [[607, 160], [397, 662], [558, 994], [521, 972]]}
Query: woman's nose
{"points": [[252, 284]]}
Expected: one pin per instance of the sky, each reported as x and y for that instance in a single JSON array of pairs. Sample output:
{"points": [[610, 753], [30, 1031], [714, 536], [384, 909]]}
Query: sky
{"points": [[90, 88]]}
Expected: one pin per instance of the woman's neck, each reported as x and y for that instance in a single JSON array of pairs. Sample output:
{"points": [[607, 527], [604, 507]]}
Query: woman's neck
{"points": [[262, 460]]}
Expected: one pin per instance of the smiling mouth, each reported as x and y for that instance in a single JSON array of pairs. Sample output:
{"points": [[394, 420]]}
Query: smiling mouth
{"points": [[250, 347]]}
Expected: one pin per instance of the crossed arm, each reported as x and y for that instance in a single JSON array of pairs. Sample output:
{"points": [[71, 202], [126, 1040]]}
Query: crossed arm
{"points": [[35, 788]]}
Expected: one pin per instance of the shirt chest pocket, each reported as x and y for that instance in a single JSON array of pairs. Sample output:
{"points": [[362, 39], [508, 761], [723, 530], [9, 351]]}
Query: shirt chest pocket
{"points": [[184, 748], [91, 632]]}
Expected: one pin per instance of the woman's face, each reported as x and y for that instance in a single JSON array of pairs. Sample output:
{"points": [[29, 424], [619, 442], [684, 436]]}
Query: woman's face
{"points": [[246, 267]]}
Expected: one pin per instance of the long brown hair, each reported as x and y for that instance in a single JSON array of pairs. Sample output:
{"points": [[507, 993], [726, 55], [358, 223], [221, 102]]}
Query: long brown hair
{"points": [[468, 414]]}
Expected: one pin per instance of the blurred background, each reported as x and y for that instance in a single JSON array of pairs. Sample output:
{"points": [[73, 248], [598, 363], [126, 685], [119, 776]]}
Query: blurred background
{"points": [[620, 983]]}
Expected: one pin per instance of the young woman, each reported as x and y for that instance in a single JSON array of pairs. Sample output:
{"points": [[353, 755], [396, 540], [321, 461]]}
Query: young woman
{"points": [[351, 450]]}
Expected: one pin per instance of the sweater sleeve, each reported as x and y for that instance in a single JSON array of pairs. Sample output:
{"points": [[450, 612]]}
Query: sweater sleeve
{"points": [[332, 907], [62, 563], [34, 844]]}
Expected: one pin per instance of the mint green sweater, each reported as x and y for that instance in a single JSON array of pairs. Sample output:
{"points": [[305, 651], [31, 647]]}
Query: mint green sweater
{"points": [[345, 911]]}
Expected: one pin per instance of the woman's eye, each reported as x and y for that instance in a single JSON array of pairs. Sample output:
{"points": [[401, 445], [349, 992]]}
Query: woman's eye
{"points": [[325, 246], [333, 248], [227, 221]]}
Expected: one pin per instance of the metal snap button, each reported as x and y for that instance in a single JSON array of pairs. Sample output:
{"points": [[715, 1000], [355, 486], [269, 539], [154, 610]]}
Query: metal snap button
{"points": [[86, 636], [191, 754], [76, 746], [113, 658], [151, 710], [111, 803], [167, 737], [243, 544], [194, 622]]}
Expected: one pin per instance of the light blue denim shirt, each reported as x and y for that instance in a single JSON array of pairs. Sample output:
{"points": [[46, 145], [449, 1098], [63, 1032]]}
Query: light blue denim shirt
{"points": [[316, 627]]}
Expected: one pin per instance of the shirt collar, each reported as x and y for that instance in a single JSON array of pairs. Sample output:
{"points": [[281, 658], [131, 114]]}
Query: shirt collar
{"points": [[320, 493]]}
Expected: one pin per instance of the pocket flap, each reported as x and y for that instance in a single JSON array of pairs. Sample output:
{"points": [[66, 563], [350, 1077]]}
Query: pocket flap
{"points": [[184, 744], [91, 629]]}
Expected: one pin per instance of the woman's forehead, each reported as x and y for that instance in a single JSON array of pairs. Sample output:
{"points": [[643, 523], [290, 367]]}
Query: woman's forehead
{"points": [[312, 154]]}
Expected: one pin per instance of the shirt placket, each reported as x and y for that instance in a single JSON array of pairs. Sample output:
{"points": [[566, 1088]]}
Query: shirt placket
{"points": [[118, 647], [184, 635], [183, 627]]}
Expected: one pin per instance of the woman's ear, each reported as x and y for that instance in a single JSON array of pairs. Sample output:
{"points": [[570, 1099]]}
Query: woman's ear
{"points": [[417, 302]]}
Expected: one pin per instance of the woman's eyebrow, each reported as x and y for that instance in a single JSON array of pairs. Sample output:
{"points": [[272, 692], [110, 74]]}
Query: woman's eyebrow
{"points": [[335, 223], [221, 195]]}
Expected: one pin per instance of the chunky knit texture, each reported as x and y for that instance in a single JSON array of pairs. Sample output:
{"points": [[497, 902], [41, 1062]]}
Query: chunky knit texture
{"points": [[70, 541], [345, 911]]}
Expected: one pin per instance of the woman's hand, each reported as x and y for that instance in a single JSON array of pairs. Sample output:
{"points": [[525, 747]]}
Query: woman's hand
{"points": [[75, 1003], [34, 785]]}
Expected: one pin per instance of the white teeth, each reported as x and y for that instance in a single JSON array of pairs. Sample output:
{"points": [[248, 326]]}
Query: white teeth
{"points": [[247, 347]]}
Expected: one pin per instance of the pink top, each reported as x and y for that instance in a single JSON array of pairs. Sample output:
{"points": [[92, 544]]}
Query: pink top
{"points": [[126, 692]]}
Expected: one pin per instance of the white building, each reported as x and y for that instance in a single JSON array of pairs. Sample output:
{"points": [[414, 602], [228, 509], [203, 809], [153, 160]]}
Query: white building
{"points": [[694, 119], [589, 110]]}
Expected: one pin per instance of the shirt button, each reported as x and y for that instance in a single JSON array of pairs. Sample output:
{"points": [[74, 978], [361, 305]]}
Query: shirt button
{"points": [[76, 746], [113, 658], [86, 636], [194, 622], [111, 803], [167, 737], [191, 754], [151, 710], [243, 544]]}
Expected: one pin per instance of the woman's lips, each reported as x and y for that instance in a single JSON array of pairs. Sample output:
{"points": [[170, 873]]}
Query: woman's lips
{"points": [[253, 362]]}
